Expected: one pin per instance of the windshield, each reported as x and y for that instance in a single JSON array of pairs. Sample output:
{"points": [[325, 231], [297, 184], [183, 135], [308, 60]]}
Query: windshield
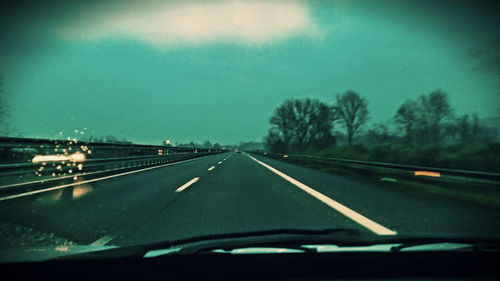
{"points": [[135, 122]]}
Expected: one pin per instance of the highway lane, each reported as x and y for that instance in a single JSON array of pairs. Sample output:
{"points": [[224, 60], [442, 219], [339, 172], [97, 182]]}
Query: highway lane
{"points": [[231, 193], [397, 207], [85, 213], [240, 195]]}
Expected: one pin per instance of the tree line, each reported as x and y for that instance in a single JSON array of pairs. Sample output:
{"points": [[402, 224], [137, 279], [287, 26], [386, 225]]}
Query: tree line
{"points": [[205, 144], [299, 124]]}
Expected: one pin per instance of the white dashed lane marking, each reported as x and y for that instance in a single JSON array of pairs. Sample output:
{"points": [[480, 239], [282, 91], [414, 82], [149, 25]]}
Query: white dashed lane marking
{"points": [[187, 184]]}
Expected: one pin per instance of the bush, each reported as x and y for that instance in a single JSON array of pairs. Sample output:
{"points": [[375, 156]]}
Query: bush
{"points": [[478, 157]]}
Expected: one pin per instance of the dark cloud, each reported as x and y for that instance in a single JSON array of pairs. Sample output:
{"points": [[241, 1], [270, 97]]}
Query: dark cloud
{"points": [[487, 56], [474, 24], [27, 26], [478, 23]]}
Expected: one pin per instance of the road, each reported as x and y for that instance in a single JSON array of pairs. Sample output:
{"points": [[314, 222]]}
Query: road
{"points": [[235, 192]]}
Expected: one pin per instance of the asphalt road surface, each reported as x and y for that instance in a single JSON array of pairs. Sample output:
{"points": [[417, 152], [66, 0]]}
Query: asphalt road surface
{"points": [[235, 192]]}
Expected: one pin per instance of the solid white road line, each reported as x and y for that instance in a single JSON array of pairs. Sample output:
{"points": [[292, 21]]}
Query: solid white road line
{"points": [[92, 180], [103, 240], [187, 184], [211, 168], [360, 219]]}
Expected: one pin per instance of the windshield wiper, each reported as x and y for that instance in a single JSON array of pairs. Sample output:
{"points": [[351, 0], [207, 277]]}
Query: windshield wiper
{"points": [[327, 240], [448, 246], [281, 238], [298, 241]]}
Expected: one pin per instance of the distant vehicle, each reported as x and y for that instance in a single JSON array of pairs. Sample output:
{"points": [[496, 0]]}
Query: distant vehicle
{"points": [[238, 151]]}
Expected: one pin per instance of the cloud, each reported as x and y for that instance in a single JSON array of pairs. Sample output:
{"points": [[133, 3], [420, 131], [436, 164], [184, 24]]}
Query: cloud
{"points": [[172, 23]]}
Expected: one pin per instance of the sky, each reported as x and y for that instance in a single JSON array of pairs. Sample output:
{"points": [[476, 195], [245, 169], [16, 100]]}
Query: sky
{"points": [[148, 71]]}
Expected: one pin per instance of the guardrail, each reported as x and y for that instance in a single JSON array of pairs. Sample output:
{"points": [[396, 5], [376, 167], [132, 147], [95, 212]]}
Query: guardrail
{"points": [[432, 173], [22, 150], [25, 159]]}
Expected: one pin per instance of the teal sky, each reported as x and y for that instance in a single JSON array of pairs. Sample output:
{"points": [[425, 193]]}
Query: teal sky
{"points": [[146, 76]]}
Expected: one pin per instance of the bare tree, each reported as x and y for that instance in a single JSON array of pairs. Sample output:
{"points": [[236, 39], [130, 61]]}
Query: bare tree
{"points": [[483, 131], [297, 124], [322, 121], [353, 112], [434, 111], [282, 125], [111, 139], [313, 123], [475, 128], [274, 140], [3, 112], [407, 118], [379, 134], [302, 112], [464, 129], [207, 144]]}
